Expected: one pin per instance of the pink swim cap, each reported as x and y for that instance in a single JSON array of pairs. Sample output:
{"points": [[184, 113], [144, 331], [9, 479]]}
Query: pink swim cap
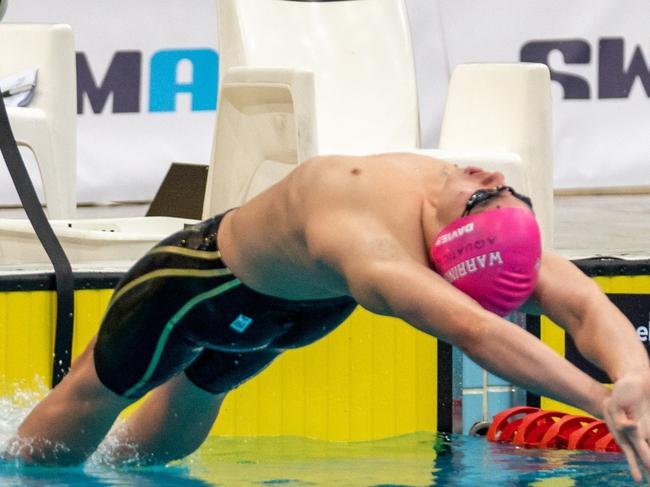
{"points": [[492, 256]]}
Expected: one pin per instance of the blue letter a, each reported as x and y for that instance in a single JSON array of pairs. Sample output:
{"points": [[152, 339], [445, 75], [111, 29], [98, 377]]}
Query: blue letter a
{"points": [[164, 84]]}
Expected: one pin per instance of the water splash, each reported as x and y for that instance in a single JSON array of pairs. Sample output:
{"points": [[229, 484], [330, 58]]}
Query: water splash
{"points": [[18, 401], [113, 448], [16, 405]]}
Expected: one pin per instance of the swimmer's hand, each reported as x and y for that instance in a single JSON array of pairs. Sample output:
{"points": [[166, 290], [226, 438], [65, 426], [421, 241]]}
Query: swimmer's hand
{"points": [[627, 412]]}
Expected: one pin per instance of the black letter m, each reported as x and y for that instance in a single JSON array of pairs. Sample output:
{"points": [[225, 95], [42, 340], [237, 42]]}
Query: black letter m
{"points": [[122, 80]]}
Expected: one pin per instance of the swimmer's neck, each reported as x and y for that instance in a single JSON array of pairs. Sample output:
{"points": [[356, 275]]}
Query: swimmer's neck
{"points": [[431, 224]]}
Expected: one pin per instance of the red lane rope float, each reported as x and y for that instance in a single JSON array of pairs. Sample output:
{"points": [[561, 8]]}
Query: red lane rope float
{"points": [[534, 428], [557, 436], [505, 424], [586, 437], [607, 443]]}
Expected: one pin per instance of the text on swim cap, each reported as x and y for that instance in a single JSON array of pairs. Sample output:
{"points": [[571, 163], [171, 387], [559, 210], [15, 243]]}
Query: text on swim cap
{"points": [[448, 237], [472, 265], [454, 253]]}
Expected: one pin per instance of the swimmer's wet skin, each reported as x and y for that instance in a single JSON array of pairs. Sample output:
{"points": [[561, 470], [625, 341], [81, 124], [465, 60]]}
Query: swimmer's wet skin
{"points": [[350, 230]]}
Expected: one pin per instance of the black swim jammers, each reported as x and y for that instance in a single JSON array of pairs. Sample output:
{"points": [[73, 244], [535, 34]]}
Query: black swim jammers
{"points": [[179, 308]]}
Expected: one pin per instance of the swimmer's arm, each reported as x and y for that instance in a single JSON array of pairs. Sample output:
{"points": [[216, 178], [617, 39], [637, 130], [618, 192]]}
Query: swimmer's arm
{"points": [[607, 338], [422, 298], [389, 282], [601, 332]]}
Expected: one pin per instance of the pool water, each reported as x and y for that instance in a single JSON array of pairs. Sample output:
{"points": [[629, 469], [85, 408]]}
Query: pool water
{"points": [[422, 459]]}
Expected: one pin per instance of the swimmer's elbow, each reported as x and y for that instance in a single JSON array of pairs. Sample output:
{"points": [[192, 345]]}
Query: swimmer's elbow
{"points": [[471, 339], [469, 333]]}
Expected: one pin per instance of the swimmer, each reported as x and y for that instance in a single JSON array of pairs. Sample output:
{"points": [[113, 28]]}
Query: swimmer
{"points": [[449, 250]]}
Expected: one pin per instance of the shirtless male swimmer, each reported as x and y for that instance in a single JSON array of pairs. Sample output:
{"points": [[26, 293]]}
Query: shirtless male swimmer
{"points": [[378, 231]]}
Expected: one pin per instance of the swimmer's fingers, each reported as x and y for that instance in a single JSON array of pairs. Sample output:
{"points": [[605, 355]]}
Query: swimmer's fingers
{"points": [[630, 456], [638, 450], [626, 432], [626, 447], [627, 412], [641, 448]]}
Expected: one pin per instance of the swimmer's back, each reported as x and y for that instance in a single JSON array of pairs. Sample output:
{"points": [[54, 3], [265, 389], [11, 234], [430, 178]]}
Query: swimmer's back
{"points": [[268, 242]]}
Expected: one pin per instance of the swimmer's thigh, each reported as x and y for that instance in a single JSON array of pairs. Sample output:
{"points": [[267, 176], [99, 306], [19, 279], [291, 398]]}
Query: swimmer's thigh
{"points": [[137, 348]]}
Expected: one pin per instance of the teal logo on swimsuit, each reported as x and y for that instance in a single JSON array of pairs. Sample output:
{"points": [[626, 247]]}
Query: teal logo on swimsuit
{"points": [[241, 323]]}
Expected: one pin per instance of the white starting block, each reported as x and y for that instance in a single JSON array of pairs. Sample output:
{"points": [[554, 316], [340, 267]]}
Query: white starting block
{"points": [[298, 79]]}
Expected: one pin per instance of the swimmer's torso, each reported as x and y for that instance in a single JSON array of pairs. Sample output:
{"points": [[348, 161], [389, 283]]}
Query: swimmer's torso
{"points": [[370, 195]]}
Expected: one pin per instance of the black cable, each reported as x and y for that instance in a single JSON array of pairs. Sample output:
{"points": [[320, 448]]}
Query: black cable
{"points": [[62, 271]]}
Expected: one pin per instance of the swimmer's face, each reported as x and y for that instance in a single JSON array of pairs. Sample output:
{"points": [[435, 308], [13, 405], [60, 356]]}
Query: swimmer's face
{"points": [[464, 182]]}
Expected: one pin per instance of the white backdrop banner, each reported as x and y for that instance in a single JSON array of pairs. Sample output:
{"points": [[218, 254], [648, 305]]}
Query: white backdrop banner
{"points": [[599, 55], [147, 71], [146, 86]]}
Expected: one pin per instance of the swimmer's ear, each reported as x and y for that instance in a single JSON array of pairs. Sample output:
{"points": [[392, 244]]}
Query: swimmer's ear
{"points": [[531, 307]]}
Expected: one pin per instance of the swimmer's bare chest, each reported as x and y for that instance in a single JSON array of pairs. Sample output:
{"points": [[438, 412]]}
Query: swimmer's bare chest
{"points": [[265, 243], [276, 265]]}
